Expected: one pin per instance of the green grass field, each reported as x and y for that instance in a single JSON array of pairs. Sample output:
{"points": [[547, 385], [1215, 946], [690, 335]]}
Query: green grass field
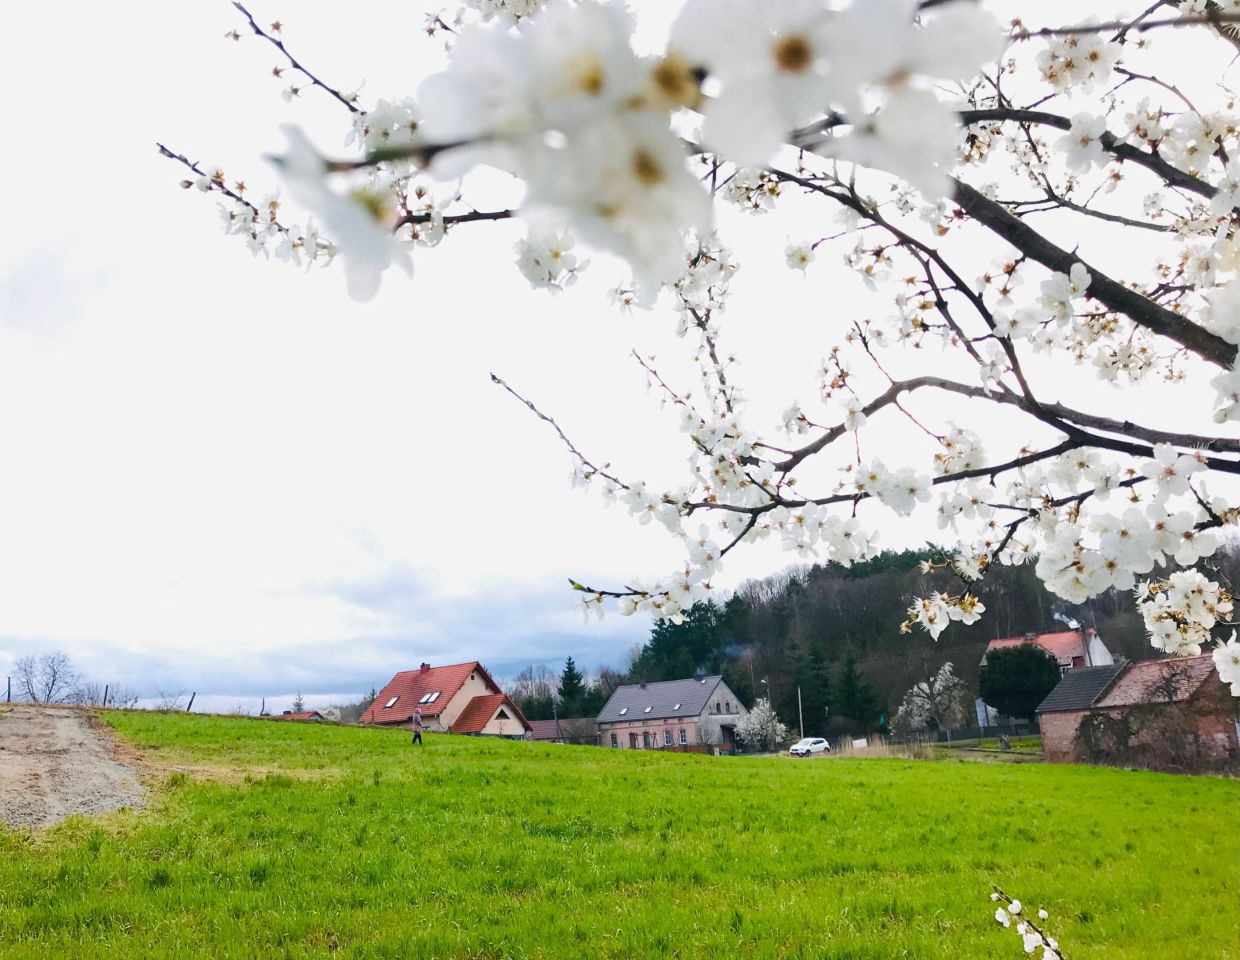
{"points": [[345, 842]]}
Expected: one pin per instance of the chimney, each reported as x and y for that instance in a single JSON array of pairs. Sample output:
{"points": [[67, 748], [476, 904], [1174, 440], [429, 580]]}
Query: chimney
{"points": [[424, 667]]}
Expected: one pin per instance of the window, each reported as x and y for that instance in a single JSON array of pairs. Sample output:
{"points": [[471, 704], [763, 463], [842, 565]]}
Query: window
{"points": [[391, 703], [677, 707], [667, 738], [647, 710], [615, 741], [646, 740], [430, 697], [502, 715], [683, 738], [632, 741], [623, 711]]}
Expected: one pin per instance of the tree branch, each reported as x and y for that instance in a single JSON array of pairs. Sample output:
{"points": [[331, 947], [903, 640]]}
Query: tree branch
{"points": [[279, 45], [1139, 309]]}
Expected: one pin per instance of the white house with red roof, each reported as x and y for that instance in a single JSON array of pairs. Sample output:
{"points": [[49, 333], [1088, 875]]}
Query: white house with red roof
{"points": [[458, 698], [1070, 648]]}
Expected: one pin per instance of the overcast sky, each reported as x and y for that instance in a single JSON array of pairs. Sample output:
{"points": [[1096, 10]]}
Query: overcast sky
{"points": [[221, 474]]}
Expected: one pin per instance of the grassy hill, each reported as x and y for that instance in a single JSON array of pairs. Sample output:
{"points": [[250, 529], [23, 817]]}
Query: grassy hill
{"points": [[283, 840]]}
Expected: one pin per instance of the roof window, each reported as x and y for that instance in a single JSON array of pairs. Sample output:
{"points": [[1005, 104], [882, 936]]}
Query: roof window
{"points": [[390, 703], [623, 711], [647, 710], [430, 697], [677, 707]]}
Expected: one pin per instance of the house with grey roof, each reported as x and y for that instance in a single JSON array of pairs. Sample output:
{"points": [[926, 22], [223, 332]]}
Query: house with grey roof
{"points": [[673, 714], [1173, 713], [1059, 715]]}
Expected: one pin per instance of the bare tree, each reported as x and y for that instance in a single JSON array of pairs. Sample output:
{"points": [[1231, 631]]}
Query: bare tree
{"points": [[535, 682], [47, 678], [89, 693], [123, 697], [609, 678], [92, 693], [168, 700]]}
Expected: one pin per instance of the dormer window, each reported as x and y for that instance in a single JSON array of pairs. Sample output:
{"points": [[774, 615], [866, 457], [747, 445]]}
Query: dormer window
{"points": [[391, 703]]}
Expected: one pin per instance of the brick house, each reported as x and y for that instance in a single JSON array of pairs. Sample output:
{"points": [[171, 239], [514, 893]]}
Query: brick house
{"points": [[305, 716], [459, 698], [578, 730], [1072, 649], [1172, 714], [702, 711]]}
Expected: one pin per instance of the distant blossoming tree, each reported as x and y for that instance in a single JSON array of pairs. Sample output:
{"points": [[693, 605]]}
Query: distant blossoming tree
{"points": [[761, 727], [1037, 207], [938, 702]]}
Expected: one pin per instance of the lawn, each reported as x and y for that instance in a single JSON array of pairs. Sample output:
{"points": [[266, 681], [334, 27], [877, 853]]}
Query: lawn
{"points": [[317, 841]]}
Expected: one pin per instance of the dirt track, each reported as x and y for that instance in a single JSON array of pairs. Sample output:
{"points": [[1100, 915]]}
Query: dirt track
{"points": [[54, 764]]}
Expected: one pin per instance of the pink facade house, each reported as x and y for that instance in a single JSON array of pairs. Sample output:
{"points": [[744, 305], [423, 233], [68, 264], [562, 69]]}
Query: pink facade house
{"points": [[673, 714]]}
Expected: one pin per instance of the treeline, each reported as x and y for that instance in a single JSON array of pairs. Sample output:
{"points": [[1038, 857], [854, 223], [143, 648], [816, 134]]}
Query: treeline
{"points": [[53, 678], [543, 694], [834, 633]]}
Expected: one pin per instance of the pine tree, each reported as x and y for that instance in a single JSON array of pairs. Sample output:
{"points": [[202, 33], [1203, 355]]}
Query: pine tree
{"points": [[299, 703], [815, 693], [572, 689], [853, 701]]}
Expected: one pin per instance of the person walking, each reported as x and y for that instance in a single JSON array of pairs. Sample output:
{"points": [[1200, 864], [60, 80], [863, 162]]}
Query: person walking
{"points": [[417, 726]]}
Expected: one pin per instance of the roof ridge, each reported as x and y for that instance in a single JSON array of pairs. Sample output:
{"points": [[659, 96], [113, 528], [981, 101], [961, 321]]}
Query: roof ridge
{"points": [[442, 666], [657, 683]]}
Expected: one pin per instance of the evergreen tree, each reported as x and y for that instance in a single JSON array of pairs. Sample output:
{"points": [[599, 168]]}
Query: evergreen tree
{"points": [[571, 690], [815, 693], [854, 704], [299, 703], [1014, 680]]}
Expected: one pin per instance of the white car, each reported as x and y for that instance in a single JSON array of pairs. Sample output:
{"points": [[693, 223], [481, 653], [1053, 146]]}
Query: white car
{"points": [[803, 748]]}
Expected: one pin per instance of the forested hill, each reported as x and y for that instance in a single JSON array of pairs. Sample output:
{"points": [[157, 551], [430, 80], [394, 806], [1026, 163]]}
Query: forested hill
{"points": [[835, 632]]}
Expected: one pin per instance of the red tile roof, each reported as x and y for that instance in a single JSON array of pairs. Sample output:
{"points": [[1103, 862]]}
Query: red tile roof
{"points": [[479, 711], [410, 686], [1158, 681], [1062, 646], [303, 715]]}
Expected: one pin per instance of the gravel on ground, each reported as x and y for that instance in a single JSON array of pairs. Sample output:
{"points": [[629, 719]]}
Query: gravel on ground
{"points": [[54, 763]]}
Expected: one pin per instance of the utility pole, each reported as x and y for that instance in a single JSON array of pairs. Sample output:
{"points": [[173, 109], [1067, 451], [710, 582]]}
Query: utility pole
{"points": [[191, 702], [800, 712], [105, 694], [8, 690]]}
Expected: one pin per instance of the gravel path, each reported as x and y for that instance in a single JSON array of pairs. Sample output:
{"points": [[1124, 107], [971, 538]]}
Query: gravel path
{"points": [[53, 764]]}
